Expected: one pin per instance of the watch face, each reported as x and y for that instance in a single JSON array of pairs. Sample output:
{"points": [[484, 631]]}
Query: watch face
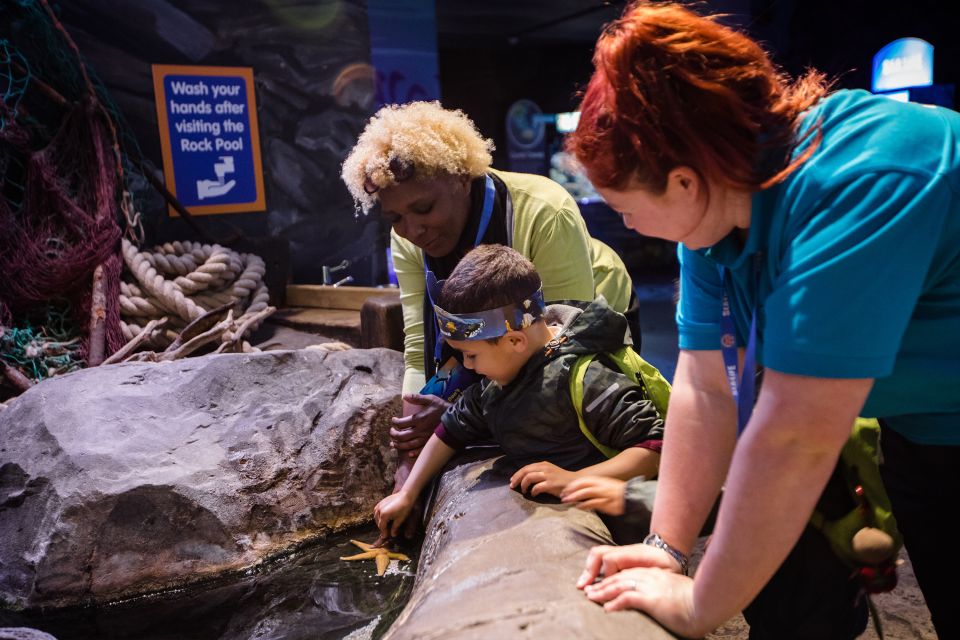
{"points": [[654, 540]]}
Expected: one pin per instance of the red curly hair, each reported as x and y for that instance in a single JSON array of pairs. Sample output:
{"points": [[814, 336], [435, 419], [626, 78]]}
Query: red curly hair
{"points": [[673, 88]]}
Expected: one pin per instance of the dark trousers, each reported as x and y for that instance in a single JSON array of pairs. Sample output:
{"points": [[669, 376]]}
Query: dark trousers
{"points": [[813, 594], [923, 482]]}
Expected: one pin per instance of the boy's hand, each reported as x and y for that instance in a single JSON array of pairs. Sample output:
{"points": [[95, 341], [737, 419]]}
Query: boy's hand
{"points": [[542, 477], [390, 513], [598, 493], [421, 415]]}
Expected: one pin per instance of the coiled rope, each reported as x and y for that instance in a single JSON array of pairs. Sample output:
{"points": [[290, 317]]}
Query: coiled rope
{"points": [[183, 280]]}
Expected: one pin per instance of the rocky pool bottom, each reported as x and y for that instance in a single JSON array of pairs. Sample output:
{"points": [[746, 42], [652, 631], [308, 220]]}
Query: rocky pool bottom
{"points": [[309, 593]]}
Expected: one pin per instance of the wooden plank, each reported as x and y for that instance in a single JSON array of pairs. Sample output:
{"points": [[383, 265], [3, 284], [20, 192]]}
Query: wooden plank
{"points": [[335, 324], [310, 318], [327, 297]]}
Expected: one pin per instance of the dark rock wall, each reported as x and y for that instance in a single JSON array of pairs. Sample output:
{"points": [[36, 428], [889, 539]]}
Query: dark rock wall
{"points": [[314, 93]]}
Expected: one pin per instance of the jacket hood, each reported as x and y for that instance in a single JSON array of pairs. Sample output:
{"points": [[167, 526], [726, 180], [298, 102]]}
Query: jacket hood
{"points": [[587, 327]]}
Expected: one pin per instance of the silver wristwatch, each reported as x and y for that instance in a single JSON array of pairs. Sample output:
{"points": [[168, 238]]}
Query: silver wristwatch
{"points": [[654, 540]]}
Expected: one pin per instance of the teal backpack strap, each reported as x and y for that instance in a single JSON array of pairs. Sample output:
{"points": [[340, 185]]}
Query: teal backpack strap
{"points": [[631, 365]]}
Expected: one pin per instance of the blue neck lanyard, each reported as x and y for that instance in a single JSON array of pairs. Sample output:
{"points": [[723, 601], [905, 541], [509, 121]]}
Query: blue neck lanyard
{"points": [[489, 195], [743, 386], [486, 213]]}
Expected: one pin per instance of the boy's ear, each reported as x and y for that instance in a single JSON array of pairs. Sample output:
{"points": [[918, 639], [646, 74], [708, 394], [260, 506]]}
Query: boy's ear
{"points": [[517, 340]]}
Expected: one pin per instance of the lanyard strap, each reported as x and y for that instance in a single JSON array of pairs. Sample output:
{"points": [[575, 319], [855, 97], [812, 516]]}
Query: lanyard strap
{"points": [[742, 385], [489, 195], [486, 214]]}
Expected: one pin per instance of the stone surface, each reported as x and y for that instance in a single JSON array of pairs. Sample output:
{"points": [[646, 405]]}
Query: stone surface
{"points": [[134, 477], [498, 565]]}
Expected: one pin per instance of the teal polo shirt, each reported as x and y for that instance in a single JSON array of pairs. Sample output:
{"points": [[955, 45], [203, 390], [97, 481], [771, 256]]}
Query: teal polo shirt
{"points": [[852, 264]]}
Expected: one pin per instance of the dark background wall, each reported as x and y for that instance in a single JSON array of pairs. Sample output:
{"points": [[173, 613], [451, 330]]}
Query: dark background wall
{"points": [[314, 94], [314, 85], [528, 54]]}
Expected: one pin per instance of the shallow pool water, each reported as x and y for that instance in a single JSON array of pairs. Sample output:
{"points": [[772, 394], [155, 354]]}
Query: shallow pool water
{"points": [[307, 594]]}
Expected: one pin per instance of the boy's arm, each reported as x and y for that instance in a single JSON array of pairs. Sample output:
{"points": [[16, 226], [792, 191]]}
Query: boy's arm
{"points": [[617, 412], [546, 477], [629, 463], [390, 512]]}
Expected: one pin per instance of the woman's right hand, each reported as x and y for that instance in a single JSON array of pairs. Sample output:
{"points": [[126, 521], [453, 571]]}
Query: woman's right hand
{"points": [[421, 415], [607, 560]]}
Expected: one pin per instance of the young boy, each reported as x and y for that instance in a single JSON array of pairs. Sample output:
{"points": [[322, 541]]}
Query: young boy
{"points": [[526, 352]]}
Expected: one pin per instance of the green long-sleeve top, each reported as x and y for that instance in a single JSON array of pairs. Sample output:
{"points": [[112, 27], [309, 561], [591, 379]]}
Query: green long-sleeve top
{"points": [[549, 230]]}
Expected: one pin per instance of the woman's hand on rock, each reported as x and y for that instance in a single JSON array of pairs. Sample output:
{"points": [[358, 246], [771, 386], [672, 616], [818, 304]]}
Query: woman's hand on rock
{"points": [[606, 561], [421, 415], [664, 595]]}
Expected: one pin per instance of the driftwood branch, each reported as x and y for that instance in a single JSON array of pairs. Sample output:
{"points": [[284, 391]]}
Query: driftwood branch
{"points": [[145, 334], [201, 325], [211, 335], [237, 335], [14, 377], [98, 320]]}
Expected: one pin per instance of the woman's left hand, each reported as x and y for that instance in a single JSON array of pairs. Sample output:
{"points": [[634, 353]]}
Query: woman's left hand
{"points": [[664, 595], [542, 477]]}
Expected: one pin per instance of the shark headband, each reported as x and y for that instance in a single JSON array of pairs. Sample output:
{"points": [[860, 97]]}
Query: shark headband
{"points": [[483, 325]]}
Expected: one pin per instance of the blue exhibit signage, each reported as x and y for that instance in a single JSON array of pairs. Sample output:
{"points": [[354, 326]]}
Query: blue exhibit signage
{"points": [[403, 50], [907, 62], [209, 137], [526, 139]]}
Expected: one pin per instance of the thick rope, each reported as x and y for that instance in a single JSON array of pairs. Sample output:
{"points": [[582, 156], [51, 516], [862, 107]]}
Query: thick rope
{"points": [[184, 280]]}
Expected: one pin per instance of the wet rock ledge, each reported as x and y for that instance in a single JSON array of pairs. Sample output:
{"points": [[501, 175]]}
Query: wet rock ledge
{"points": [[129, 478], [497, 565]]}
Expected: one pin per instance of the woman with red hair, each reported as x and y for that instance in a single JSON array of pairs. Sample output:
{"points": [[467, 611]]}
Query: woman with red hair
{"points": [[822, 230]]}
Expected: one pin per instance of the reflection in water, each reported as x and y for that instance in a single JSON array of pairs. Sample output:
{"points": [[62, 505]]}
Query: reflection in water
{"points": [[309, 594]]}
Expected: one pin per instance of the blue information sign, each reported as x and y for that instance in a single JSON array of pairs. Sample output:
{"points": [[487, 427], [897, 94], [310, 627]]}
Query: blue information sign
{"points": [[904, 63], [209, 136]]}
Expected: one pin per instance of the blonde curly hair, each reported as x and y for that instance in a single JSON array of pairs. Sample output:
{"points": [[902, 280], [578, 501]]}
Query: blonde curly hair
{"points": [[419, 136]]}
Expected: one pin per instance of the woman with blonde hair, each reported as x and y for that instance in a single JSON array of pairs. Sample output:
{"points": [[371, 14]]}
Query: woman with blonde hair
{"points": [[428, 170], [823, 230]]}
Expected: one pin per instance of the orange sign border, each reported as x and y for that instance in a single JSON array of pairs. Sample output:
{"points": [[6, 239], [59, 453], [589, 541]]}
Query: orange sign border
{"points": [[160, 71]]}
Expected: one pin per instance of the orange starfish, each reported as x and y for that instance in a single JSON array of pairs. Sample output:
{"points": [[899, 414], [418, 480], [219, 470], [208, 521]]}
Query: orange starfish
{"points": [[382, 555]]}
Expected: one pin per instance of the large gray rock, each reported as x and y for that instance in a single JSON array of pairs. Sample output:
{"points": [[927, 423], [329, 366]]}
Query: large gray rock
{"points": [[128, 478], [497, 565]]}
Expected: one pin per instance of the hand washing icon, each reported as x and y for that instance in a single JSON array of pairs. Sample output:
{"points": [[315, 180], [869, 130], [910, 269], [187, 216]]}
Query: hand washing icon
{"points": [[218, 187]]}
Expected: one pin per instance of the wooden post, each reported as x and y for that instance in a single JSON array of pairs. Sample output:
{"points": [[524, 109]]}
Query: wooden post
{"points": [[14, 377], [98, 320], [381, 323]]}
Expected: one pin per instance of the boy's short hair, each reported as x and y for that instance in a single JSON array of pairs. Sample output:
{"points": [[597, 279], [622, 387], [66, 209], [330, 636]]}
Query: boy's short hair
{"points": [[489, 276]]}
